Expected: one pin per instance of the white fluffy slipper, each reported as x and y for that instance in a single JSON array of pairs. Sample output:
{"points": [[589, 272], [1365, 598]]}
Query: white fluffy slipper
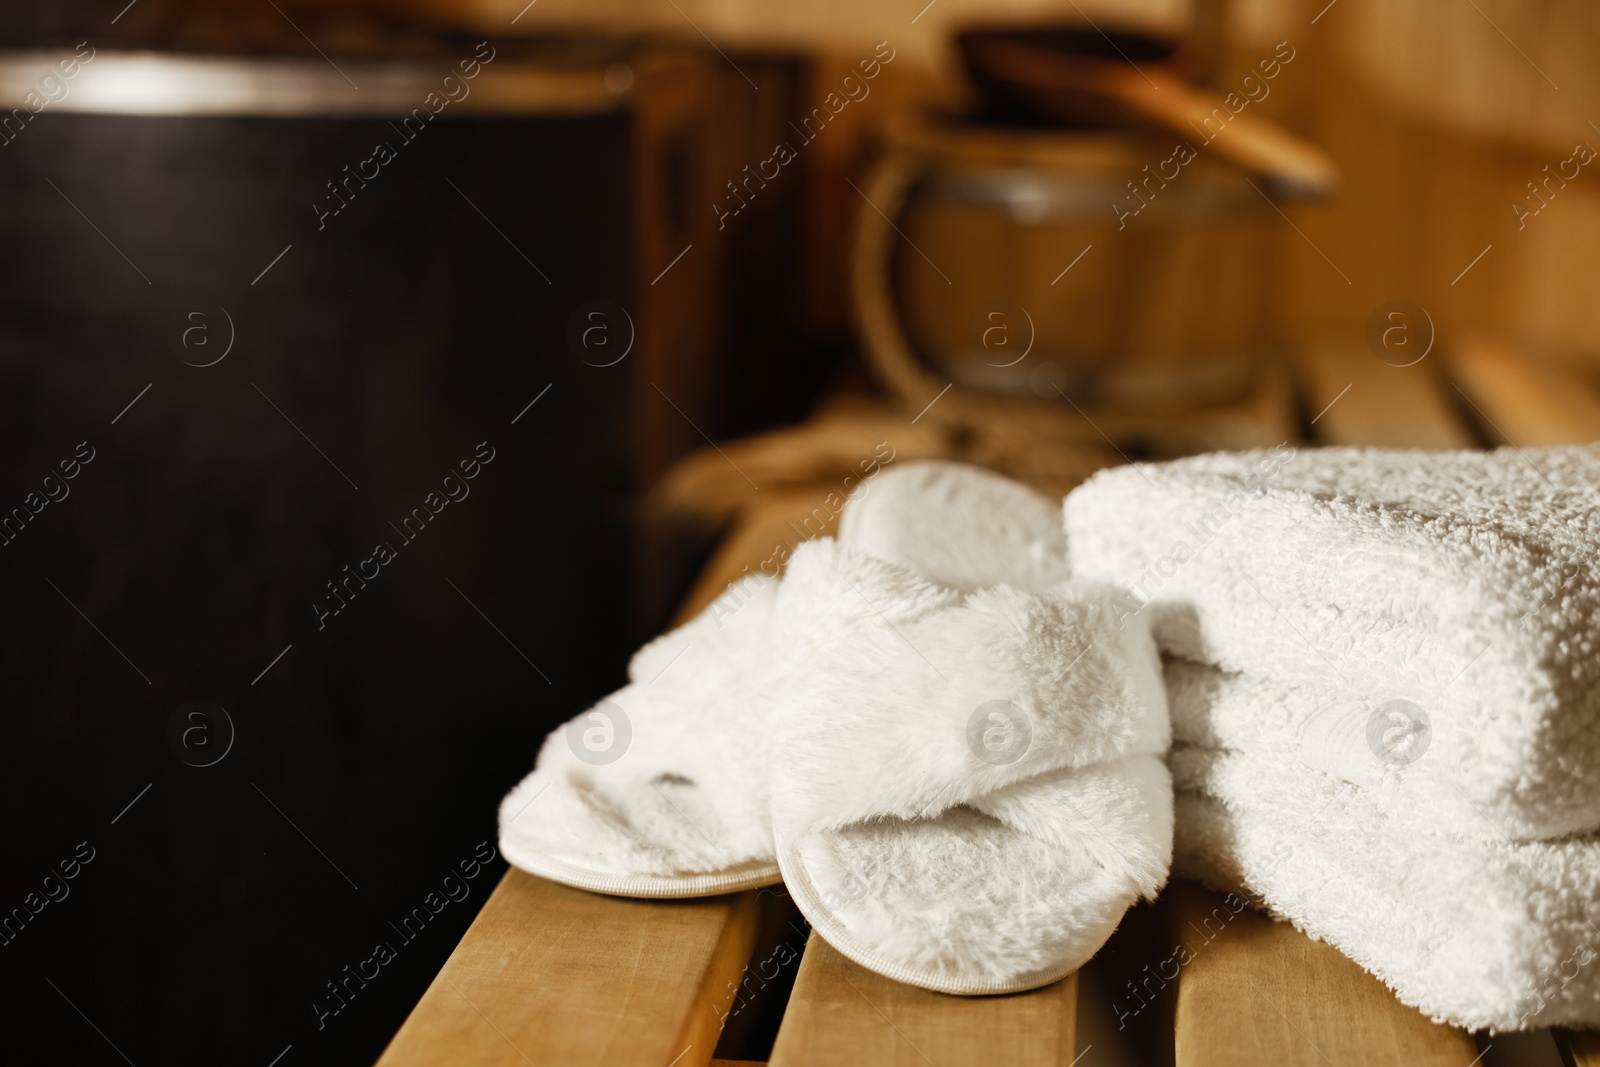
{"points": [[958, 525], [967, 793], [660, 790]]}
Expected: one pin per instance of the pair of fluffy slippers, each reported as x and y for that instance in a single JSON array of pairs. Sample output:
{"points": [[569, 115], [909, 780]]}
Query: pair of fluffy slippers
{"points": [[947, 749]]}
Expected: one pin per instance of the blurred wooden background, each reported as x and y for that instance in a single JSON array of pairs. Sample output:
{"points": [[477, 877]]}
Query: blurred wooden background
{"points": [[1439, 115]]}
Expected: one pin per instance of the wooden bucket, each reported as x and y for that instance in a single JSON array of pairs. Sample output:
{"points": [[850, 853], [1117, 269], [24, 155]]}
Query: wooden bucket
{"points": [[1041, 275]]}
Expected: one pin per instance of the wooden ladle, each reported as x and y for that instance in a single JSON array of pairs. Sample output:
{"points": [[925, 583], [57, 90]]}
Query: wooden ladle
{"points": [[1084, 76]]}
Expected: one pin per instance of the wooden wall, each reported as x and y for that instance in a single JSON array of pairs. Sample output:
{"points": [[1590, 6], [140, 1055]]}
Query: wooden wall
{"points": [[1438, 114]]}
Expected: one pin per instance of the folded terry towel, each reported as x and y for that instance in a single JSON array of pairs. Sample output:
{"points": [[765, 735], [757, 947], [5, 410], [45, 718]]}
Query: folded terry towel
{"points": [[1459, 583], [1413, 765], [967, 794], [1485, 933], [660, 790]]}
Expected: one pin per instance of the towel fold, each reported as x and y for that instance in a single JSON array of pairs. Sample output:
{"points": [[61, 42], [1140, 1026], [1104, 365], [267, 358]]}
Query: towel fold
{"points": [[1455, 590], [1414, 765], [1479, 933]]}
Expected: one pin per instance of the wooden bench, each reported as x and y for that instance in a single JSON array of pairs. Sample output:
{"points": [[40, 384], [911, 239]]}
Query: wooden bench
{"points": [[552, 975]]}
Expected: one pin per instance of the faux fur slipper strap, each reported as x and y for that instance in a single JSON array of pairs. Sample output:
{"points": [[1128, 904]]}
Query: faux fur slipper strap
{"points": [[909, 698], [660, 789], [967, 792]]}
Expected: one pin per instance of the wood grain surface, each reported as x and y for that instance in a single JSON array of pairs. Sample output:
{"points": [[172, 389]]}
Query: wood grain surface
{"points": [[843, 1015], [1258, 992], [552, 975], [1357, 399], [1579, 1048], [1522, 402]]}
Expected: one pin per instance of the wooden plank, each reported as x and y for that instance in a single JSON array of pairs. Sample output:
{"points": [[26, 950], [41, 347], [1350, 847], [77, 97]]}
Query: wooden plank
{"points": [[1523, 402], [843, 1015], [1257, 992], [1579, 1048], [1357, 399], [549, 974]]}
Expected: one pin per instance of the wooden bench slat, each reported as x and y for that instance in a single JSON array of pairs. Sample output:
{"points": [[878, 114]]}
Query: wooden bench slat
{"points": [[843, 1015], [552, 975], [1579, 1048], [1259, 993], [1525, 403], [1375, 404]]}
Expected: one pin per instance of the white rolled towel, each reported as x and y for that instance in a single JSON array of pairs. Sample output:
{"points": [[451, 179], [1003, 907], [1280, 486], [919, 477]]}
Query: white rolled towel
{"points": [[1461, 584], [1478, 931]]}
